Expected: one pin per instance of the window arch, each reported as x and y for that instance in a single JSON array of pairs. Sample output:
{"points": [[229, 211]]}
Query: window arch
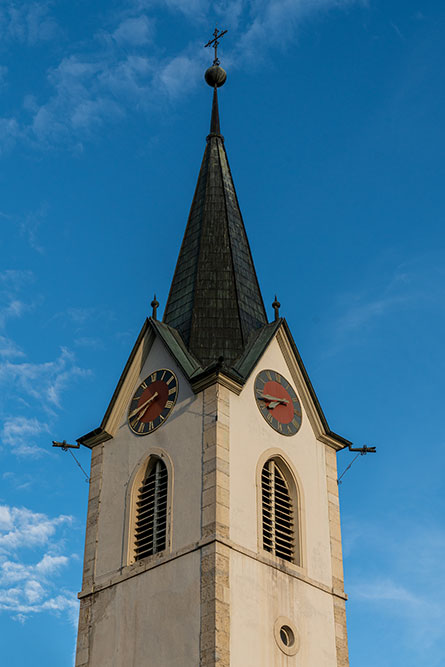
{"points": [[151, 511], [279, 511]]}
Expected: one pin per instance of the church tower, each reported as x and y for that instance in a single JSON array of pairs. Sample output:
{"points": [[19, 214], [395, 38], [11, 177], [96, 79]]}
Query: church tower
{"points": [[213, 529]]}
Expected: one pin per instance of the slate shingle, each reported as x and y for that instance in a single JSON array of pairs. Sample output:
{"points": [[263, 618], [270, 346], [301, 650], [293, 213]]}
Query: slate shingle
{"points": [[215, 301]]}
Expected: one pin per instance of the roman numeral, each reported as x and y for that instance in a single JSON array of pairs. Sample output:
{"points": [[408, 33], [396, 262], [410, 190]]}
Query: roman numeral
{"points": [[171, 391], [169, 404], [170, 379], [144, 385]]}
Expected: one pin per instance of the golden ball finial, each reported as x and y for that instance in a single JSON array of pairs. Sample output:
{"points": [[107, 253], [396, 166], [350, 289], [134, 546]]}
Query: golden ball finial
{"points": [[215, 76]]}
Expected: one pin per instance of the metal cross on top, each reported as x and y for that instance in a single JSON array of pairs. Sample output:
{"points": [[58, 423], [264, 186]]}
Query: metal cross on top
{"points": [[214, 42]]}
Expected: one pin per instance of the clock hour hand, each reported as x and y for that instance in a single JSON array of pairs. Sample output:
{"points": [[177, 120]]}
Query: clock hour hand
{"points": [[274, 401], [141, 407]]}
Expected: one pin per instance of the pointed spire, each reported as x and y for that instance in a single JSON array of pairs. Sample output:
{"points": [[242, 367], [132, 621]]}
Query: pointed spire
{"points": [[276, 306], [214, 122], [155, 305], [215, 301]]}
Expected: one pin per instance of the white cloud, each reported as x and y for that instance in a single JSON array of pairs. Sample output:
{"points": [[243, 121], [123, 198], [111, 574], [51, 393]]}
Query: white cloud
{"points": [[403, 578], [10, 133], [21, 527], [31, 587], [89, 342], [43, 381], [13, 279], [385, 590], [417, 284], [19, 433], [135, 31], [274, 22], [175, 72], [112, 75], [15, 308], [9, 349], [27, 22]]}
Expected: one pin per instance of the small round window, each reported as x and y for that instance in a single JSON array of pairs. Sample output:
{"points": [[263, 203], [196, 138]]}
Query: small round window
{"points": [[286, 636]]}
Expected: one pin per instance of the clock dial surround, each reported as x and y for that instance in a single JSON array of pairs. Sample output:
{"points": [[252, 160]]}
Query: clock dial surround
{"points": [[278, 403], [153, 402]]}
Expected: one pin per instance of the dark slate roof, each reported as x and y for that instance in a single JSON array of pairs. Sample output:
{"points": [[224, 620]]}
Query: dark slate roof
{"points": [[215, 301]]}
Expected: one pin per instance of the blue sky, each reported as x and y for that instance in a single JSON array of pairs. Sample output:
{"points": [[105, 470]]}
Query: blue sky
{"points": [[333, 117]]}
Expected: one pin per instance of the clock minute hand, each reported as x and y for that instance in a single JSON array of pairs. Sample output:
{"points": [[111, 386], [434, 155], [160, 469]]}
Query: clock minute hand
{"points": [[274, 401], [144, 405]]}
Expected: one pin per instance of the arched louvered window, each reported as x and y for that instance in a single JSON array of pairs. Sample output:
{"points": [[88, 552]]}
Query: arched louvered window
{"points": [[278, 513], [151, 511]]}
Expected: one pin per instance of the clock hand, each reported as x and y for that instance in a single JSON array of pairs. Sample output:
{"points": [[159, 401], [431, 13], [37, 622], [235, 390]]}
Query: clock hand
{"points": [[144, 405], [274, 400], [146, 408]]}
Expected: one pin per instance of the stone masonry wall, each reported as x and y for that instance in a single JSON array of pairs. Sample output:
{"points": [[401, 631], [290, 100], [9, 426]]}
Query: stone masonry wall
{"points": [[341, 637], [215, 557], [82, 652]]}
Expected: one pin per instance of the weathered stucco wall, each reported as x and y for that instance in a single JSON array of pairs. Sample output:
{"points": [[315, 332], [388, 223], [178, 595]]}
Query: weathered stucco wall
{"points": [[261, 593], [214, 597], [250, 438], [180, 437], [259, 596], [128, 621], [132, 624]]}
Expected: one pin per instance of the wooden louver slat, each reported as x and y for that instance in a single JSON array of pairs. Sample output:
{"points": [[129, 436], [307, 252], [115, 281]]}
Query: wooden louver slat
{"points": [[278, 512], [151, 512]]}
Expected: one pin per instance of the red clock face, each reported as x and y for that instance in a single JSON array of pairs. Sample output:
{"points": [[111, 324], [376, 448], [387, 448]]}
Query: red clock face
{"points": [[278, 402], [152, 402]]}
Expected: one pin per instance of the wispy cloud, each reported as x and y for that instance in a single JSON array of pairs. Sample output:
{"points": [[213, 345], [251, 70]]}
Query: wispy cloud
{"points": [[19, 433], [29, 388], [415, 284], [14, 279], [27, 22], [124, 69], [89, 342], [404, 578], [11, 306], [31, 587], [274, 23], [13, 309], [43, 381], [386, 590], [9, 349], [21, 527], [134, 31]]}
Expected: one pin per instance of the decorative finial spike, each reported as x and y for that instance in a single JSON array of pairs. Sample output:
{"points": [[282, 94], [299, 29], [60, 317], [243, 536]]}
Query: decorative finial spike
{"points": [[214, 122], [215, 75], [214, 42], [276, 306], [155, 305]]}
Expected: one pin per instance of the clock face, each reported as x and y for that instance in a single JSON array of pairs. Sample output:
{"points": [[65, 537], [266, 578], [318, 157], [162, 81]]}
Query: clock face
{"points": [[152, 402], [278, 402]]}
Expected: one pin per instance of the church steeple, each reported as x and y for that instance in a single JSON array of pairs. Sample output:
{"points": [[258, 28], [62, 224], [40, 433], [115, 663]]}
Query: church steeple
{"points": [[213, 488], [215, 301]]}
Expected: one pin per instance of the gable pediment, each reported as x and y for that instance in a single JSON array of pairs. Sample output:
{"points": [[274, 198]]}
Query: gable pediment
{"points": [[151, 330]]}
